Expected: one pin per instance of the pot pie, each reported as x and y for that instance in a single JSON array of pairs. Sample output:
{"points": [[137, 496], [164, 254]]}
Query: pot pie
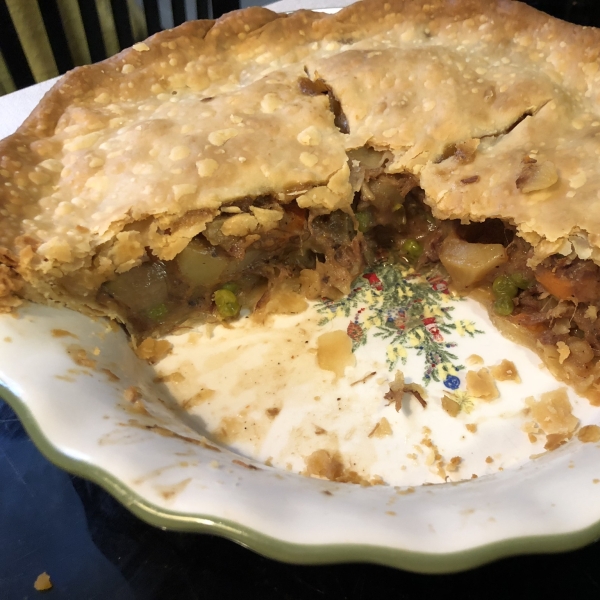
{"points": [[262, 159]]}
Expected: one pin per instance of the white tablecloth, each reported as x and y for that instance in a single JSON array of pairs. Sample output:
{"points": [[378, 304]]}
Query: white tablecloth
{"points": [[289, 5], [15, 107]]}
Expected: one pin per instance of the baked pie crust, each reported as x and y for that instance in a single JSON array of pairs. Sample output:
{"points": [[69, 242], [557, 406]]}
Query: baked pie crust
{"points": [[303, 146]]}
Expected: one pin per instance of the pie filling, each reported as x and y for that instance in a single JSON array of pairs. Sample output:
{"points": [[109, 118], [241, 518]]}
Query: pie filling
{"points": [[552, 307]]}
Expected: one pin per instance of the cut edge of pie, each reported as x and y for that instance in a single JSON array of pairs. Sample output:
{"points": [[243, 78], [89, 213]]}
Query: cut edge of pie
{"points": [[264, 158]]}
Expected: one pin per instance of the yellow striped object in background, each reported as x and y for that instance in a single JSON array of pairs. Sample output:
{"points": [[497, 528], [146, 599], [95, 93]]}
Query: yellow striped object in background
{"points": [[27, 19]]}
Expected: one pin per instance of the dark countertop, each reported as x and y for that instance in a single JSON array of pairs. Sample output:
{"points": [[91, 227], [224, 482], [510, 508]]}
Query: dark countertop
{"points": [[92, 547]]}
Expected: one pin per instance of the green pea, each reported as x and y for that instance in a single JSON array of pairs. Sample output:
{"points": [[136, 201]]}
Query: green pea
{"points": [[521, 281], [503, 305], [412, 248], [365, 220], [231, 286], [227, 303], [156, 313], [504, 286]]}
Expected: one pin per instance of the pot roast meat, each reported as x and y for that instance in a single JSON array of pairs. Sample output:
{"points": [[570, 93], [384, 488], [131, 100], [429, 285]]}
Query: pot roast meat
{"points": [[577, 280]]}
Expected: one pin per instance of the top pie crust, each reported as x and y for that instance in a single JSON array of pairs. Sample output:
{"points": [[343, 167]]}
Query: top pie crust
{"points": [[142, 150]]}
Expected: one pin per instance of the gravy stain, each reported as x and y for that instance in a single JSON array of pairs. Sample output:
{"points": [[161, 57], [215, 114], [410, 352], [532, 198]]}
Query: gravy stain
{"points": [[248, 426], [61, 333], [122, 436], [165, 432], [253, 382], [198, 398], [170, 492], [158, 472]]}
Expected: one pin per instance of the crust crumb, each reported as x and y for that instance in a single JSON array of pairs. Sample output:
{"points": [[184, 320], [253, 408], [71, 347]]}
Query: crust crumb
{"points": [[450, 406], [80, 356], [553, 415], [589, 433], [434, 459], [454, 464], [505, 371], [554, 441], [563, 352], [153, 350], [474, 359], [42, 582], [472, 427], [381, 429], [396, 391], [60, 333], [481, 385]]}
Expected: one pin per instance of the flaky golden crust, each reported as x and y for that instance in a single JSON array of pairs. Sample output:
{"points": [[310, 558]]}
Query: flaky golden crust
{"points": [[144, 149]]}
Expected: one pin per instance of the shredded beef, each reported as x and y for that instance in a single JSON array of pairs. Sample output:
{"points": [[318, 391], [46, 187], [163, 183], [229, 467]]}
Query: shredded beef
{"points": [[582, 276], [549, 338], [529, 298]]}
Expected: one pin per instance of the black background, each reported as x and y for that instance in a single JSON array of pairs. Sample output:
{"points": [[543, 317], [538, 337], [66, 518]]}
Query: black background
{"points": [[94, 548]]}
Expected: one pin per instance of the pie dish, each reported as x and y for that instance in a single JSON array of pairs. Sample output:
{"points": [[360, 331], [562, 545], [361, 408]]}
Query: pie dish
{"points": [[374, 193]]}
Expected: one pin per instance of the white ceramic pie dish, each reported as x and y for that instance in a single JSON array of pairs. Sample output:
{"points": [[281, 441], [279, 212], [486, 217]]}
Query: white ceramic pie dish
{"points": [[159, 464]]}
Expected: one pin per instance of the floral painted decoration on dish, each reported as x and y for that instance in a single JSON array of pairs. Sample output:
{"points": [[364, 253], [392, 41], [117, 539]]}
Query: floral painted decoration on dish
{"points": [[408, 310]]}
